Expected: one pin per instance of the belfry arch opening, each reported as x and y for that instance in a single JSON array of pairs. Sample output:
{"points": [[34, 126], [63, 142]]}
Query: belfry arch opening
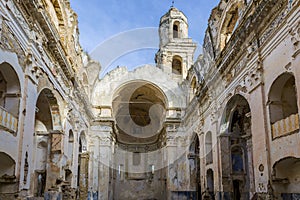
{"points": [[177, 65], [176, 29]]}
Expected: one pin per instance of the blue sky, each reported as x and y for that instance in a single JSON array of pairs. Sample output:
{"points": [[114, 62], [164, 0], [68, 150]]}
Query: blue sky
{"points": [[102, 21]]}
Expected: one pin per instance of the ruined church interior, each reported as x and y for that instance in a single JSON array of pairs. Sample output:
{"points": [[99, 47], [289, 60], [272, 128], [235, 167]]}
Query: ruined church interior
{"points": [[222, 125]]}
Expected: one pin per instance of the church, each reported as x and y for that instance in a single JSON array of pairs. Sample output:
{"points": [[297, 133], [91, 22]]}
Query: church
{"points": [[223, 127]]}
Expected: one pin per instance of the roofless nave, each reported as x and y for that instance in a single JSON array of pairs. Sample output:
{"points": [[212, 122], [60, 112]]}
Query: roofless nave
{"points": [[223, 127]]}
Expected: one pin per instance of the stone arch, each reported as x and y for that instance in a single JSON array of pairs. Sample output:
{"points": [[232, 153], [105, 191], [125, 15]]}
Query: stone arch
{"points": [[47, 140], [235, 137], [285, 182], [229, 21], [235, 103], [47, 110], [7, 172], [140, 82], [8, 164], [10, 93], [177, 65], [283, 108], [101, 97], [139, 107]]}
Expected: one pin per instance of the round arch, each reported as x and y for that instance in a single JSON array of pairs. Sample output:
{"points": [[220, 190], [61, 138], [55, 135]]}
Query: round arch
{"points": [[47, 110], [235, 102], [7, 164], [10, 89], [176, 29], [139, 83], [229, 21], [139, 109], [101, 96], [177, 65], [283, 181], [282, 98]]}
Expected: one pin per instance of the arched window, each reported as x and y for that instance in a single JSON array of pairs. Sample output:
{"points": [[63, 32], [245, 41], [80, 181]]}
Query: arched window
{"points": [[208, 148], [176, 29], [283, 106], [177, 65]]}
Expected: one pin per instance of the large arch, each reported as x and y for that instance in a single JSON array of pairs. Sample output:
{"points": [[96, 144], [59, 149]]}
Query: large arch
{"points": [[47, 141], [10, 94], [285, 182], [47, 103], [283, 108], [139, 107], [101, 97], [139, 112], [235, 137]]}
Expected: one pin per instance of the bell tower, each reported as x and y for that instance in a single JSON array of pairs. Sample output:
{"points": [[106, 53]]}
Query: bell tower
{"points": [[176, 50]]}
